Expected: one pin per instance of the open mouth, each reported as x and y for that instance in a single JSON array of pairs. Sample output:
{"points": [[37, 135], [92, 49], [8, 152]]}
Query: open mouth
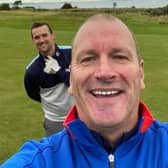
{"points": [[108, 93], [43, 45]]}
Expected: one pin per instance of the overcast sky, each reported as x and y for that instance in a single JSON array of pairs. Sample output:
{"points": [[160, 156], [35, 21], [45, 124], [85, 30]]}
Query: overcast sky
{"points": [[11, 1], [24, 1]]}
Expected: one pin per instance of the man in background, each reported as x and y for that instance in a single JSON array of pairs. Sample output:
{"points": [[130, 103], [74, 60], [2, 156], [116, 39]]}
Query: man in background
{"points": [[47, 77]]}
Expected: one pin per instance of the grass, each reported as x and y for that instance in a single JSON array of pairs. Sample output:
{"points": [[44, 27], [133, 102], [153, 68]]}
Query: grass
{"points": [[20, 117]]}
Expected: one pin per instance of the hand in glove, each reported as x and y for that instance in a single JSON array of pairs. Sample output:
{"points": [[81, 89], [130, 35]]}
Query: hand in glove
{"points": [[51, 65]]}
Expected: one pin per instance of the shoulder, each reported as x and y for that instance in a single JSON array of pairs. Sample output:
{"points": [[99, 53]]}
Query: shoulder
{"points": [[65, 49], [33, 63], [64, 54], [33, 68], [160, 129], [156, 139], [37, 153]]}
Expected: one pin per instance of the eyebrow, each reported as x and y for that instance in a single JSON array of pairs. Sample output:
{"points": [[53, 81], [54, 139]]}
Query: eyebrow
{"points": [[86, 52], [118, 50], [95, 52], [38, 35]]}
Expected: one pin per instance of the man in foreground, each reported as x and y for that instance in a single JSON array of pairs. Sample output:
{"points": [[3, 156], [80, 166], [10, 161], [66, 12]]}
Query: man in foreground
{"points": [[108, 126]]}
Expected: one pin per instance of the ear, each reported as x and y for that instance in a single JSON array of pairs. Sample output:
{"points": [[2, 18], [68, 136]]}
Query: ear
{"points": [[33, 41], [142, 82], [70, 84], [53, 36]]}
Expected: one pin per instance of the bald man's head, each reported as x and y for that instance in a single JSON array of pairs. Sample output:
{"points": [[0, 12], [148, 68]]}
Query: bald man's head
{"points": [[102, 22]]}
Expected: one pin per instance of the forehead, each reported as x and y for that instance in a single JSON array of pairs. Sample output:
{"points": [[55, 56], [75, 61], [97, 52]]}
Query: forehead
{"points": [[104, 28], [103, 33], [38, 30]]}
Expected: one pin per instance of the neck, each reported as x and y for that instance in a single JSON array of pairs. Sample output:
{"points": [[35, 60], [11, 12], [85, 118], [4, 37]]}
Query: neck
{"points": [[115, 134]]}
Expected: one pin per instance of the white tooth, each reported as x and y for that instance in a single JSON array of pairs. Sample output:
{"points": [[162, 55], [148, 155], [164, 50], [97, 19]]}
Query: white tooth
{"points": [[105, 92], [99, 92], [114, 92], [109, 92]]}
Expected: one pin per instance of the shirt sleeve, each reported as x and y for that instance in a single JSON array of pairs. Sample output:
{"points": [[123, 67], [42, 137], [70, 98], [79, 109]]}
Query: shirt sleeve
{"points": [[32, 87]]}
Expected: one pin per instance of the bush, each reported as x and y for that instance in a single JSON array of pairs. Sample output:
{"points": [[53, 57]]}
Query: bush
{"points": [[66, 6], [159, 11], [4, 6], [165, 10]]}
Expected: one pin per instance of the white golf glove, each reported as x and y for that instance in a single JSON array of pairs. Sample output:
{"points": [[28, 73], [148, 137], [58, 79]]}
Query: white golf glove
{"points": [[51, 65]]}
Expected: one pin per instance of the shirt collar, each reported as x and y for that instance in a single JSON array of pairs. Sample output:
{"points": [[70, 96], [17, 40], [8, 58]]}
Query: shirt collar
{"points": [[107, 146]]}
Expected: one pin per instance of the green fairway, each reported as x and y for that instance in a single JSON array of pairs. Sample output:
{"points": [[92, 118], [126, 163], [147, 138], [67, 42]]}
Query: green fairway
{"points": [[20, 117]]}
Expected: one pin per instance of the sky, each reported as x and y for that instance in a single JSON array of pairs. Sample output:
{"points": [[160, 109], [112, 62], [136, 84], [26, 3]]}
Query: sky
{"points": [[25, 1]]}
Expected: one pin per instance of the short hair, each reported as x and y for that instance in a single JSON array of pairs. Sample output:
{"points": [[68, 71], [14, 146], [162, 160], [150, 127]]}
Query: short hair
{"points": [[109, 17], [39, 24]]}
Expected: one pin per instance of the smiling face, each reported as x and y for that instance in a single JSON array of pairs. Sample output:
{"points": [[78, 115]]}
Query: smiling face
{"points": [[106, 75], [44, 40]]}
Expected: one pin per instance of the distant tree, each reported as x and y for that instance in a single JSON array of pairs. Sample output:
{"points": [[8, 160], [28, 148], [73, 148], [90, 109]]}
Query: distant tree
{"points": [[165, 10], [66, 6], [157, 12], [17, 3], [4, 6], [114, 4], [133, 7]]}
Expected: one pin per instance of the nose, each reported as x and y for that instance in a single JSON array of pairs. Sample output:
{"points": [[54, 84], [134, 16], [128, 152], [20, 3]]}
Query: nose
{"points": [[41, 39], [105, 70]]}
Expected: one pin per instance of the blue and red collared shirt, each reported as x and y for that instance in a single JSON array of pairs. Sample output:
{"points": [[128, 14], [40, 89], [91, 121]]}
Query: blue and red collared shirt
{"points": [[76, 147]]}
